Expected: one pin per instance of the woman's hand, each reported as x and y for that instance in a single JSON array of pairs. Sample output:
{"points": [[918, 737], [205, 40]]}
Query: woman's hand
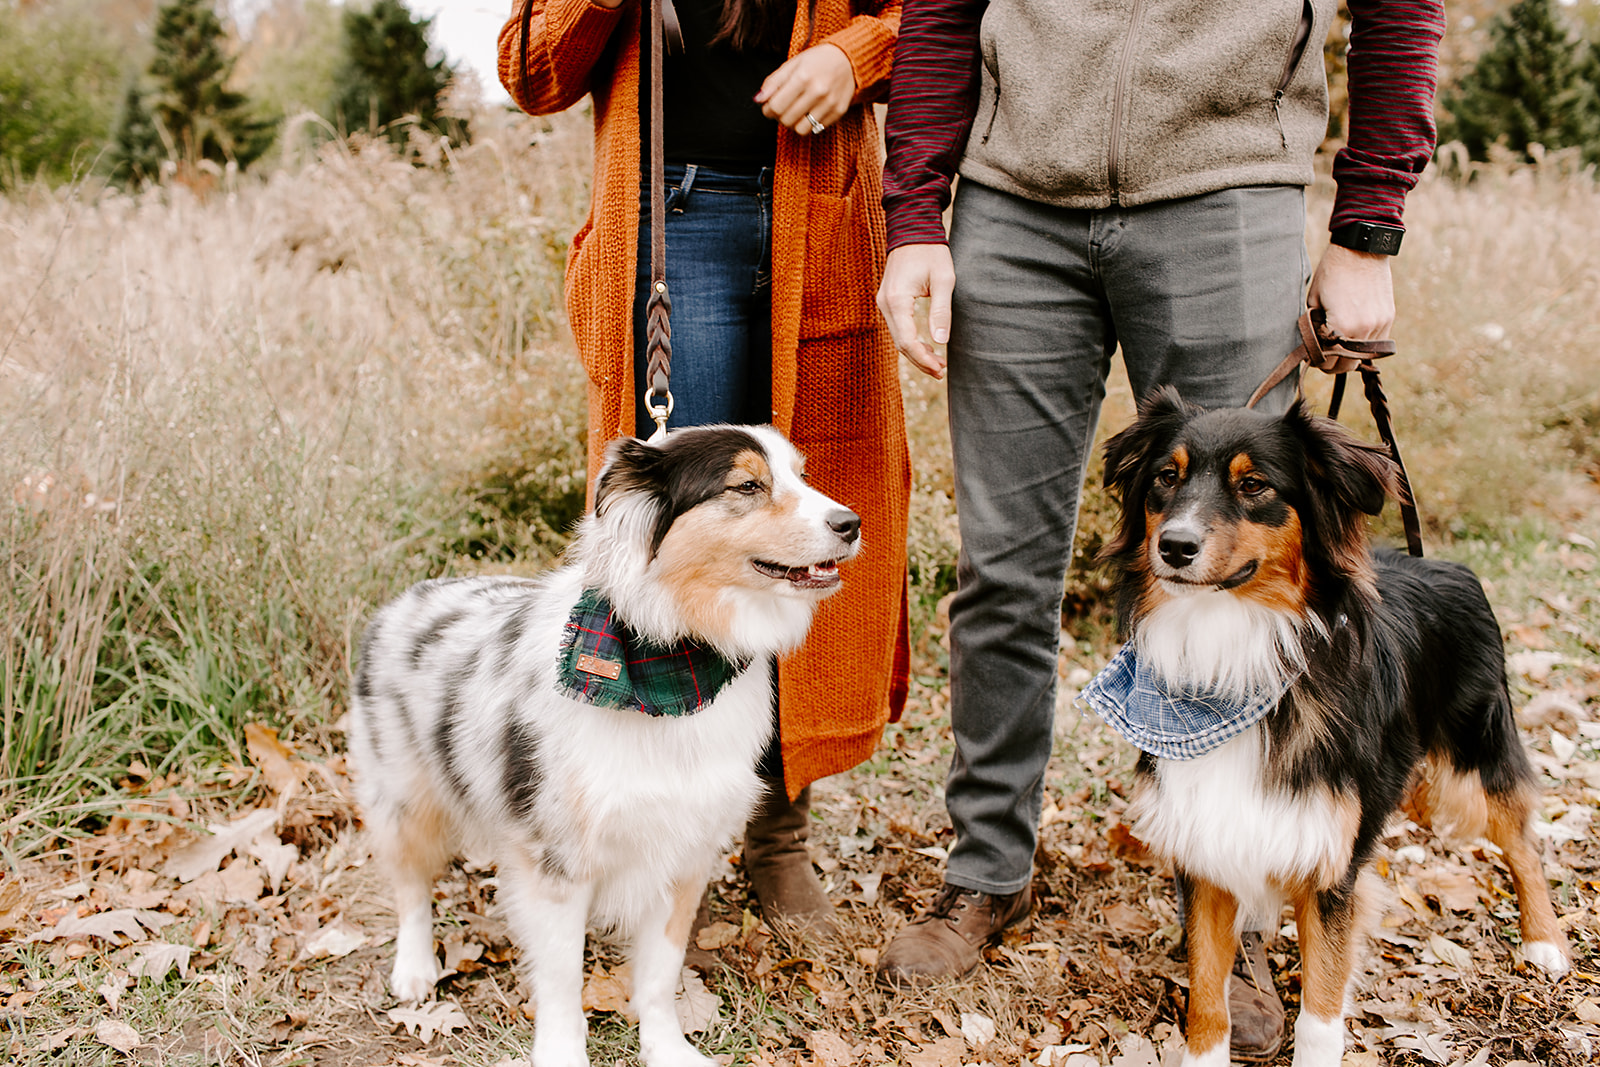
{"points": [[816, 84]]}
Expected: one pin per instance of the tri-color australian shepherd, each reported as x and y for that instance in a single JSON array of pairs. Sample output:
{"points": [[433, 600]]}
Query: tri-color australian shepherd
{"points": [[597, 730], [1244, 574]]}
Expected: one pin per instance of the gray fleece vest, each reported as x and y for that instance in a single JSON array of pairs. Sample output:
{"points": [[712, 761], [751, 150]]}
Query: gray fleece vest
{"points": [[1089, 103]]}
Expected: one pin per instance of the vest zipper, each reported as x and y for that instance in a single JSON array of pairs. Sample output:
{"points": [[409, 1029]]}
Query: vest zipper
{"points": [[1297, 51], [993, 111], [1124, 73]]}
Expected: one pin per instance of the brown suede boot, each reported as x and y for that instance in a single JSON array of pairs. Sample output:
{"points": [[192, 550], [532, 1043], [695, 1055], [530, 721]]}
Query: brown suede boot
{"points": [[1254, 1011], [948, 941], [779, 866]]}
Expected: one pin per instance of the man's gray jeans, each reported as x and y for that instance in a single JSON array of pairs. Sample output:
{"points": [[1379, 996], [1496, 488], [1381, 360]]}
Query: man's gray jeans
{"points": [[1201, 293]]}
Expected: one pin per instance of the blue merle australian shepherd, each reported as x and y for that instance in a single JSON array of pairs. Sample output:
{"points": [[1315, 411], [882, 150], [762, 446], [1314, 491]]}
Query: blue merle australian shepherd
{"points": [[597, 730]]}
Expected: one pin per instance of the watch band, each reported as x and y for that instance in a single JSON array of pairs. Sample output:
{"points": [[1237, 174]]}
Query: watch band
{"points": [[1368, 237]]}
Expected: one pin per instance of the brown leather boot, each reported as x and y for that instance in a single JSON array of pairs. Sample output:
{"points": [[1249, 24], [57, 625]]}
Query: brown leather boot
{"points": [[1255, 1013], [779, 866], [948, 941]]}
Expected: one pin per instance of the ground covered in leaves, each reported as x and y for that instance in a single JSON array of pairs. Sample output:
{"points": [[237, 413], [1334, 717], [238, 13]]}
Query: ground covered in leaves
{"points": [[234, 917]]}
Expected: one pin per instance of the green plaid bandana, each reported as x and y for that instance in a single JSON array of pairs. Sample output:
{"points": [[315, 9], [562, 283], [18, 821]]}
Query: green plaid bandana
{"points": [[604, 662]]}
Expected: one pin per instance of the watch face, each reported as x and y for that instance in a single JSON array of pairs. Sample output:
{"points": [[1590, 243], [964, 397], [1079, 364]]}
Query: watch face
{"points": [[1383, 240], [1369, 237]]}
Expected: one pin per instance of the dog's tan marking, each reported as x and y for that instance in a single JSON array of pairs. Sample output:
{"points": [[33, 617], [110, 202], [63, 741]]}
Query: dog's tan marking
{"points": [[1508, 827], [1282, 577], [1209, 922], [1450, 803], [1329, 939], [416, 846]]}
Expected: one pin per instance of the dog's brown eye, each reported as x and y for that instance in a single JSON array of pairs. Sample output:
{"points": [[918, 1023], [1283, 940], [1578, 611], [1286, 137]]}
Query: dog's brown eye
{"points": [[1168, 477], [1252, 486], [747, 488]]}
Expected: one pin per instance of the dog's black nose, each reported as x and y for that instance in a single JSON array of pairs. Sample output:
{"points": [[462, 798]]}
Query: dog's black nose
{"points": [[1178, 547], [847, 524]]}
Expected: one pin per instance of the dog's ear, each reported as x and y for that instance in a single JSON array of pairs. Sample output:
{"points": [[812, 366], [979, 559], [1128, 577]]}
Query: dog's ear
{"points": [[1347, 480], [631, 465], [1358, 475], [1130, 455], [1161, 414]]}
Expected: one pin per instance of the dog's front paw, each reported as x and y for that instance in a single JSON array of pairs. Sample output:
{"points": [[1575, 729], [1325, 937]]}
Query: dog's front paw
{"points": [[1547, 956], [668, 1052], [413, 977]]}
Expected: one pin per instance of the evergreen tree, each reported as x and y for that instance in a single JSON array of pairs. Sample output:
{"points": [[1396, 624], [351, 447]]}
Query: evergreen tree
{"points": [[136, 150], [386, 74], [1535, 83], [198, 116]]}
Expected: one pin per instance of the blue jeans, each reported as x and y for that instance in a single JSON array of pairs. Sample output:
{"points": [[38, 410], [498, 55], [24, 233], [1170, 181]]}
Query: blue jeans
{"points": [[1202, 293], [719, 278]]}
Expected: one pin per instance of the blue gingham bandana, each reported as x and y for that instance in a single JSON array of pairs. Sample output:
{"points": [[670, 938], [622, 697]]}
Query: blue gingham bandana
{"points": [[1137, 705]]}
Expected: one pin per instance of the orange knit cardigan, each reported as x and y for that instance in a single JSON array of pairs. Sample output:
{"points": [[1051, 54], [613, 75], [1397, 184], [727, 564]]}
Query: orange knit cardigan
{"points": [[835, 384]]}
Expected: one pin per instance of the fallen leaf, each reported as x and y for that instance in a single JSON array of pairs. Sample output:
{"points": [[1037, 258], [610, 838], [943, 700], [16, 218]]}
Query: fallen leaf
{"points": [[829, 1049], [240, 882], [1453, 887], [1135, 1051], [698, 1007], [945, 1052], [58, 1040], [1431, 1047], [277, 762], [206, 854], [1450, 953], [118, 1034], [106, 925], [459, 954], [978, 1030], [275, 857], [339, 938], [717, 935], [1065, 1056], [1128, 921], [440, 1017], [604, 992], [112, 988], [155, 961]]}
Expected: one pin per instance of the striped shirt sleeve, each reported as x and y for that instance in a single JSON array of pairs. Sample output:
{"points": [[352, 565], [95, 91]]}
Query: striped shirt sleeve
{"points": [[932, 100], [1393, 66]]}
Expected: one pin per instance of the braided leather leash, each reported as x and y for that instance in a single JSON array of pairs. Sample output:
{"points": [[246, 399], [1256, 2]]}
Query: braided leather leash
{"points": [[664, 26], [658, 307], [1324, 350]]}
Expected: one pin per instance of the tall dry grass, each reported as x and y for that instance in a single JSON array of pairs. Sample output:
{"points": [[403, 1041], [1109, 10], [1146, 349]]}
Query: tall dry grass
{"points": [[230, 425]]}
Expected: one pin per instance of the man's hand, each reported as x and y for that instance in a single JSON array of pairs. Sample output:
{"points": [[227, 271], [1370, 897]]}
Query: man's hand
{"points": [[1356, 292], [913, 271], [819, 83]]}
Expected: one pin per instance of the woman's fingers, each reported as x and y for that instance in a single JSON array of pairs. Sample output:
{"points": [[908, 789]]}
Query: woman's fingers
{"points": [[816, 84]]}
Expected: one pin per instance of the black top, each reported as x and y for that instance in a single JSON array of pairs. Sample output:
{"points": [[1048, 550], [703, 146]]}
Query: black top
{"points": [[709, 91]]}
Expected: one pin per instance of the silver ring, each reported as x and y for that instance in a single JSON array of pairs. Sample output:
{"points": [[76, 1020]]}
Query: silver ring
{"points": [[816, 127]]}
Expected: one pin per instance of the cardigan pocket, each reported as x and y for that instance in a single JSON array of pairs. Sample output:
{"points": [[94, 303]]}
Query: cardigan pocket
{"points": [[838, 275]]}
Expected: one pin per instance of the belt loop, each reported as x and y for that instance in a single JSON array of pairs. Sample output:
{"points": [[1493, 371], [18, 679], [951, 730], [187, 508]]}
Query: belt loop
{"points": [[678, 198]]}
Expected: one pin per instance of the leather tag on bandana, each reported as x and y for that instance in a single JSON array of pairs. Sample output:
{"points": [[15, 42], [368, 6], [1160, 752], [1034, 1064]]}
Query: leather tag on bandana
{"points": [[605, 668]]}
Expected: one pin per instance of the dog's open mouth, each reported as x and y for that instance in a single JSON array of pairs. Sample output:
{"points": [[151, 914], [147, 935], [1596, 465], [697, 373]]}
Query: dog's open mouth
{"points": [[816, 576]]}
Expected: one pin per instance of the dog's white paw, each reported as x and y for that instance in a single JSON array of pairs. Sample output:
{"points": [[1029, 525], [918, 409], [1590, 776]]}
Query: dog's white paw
{"points": [[1318, 1042], [1547, 956], [1216, 1056], [673, 1053], [552, 1051], [413, 977]]}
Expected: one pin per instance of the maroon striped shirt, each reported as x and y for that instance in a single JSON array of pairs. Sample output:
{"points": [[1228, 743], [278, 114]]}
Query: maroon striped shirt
{"points": [[1393, 73]]}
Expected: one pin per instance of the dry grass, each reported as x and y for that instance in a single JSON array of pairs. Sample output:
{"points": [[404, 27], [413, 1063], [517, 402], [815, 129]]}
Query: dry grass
{"points": [[230, 425]]}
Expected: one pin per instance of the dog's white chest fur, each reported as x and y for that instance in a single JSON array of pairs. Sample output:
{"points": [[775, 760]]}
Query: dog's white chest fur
{"points": [[1216, 817]]}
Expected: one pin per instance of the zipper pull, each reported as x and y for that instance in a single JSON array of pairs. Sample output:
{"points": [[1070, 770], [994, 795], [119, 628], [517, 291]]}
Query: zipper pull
{"points": [[1277, 113]]}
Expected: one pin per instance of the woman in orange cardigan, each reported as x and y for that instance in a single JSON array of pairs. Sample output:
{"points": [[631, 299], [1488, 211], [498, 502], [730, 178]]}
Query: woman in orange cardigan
{"points": [[775, 242]]}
